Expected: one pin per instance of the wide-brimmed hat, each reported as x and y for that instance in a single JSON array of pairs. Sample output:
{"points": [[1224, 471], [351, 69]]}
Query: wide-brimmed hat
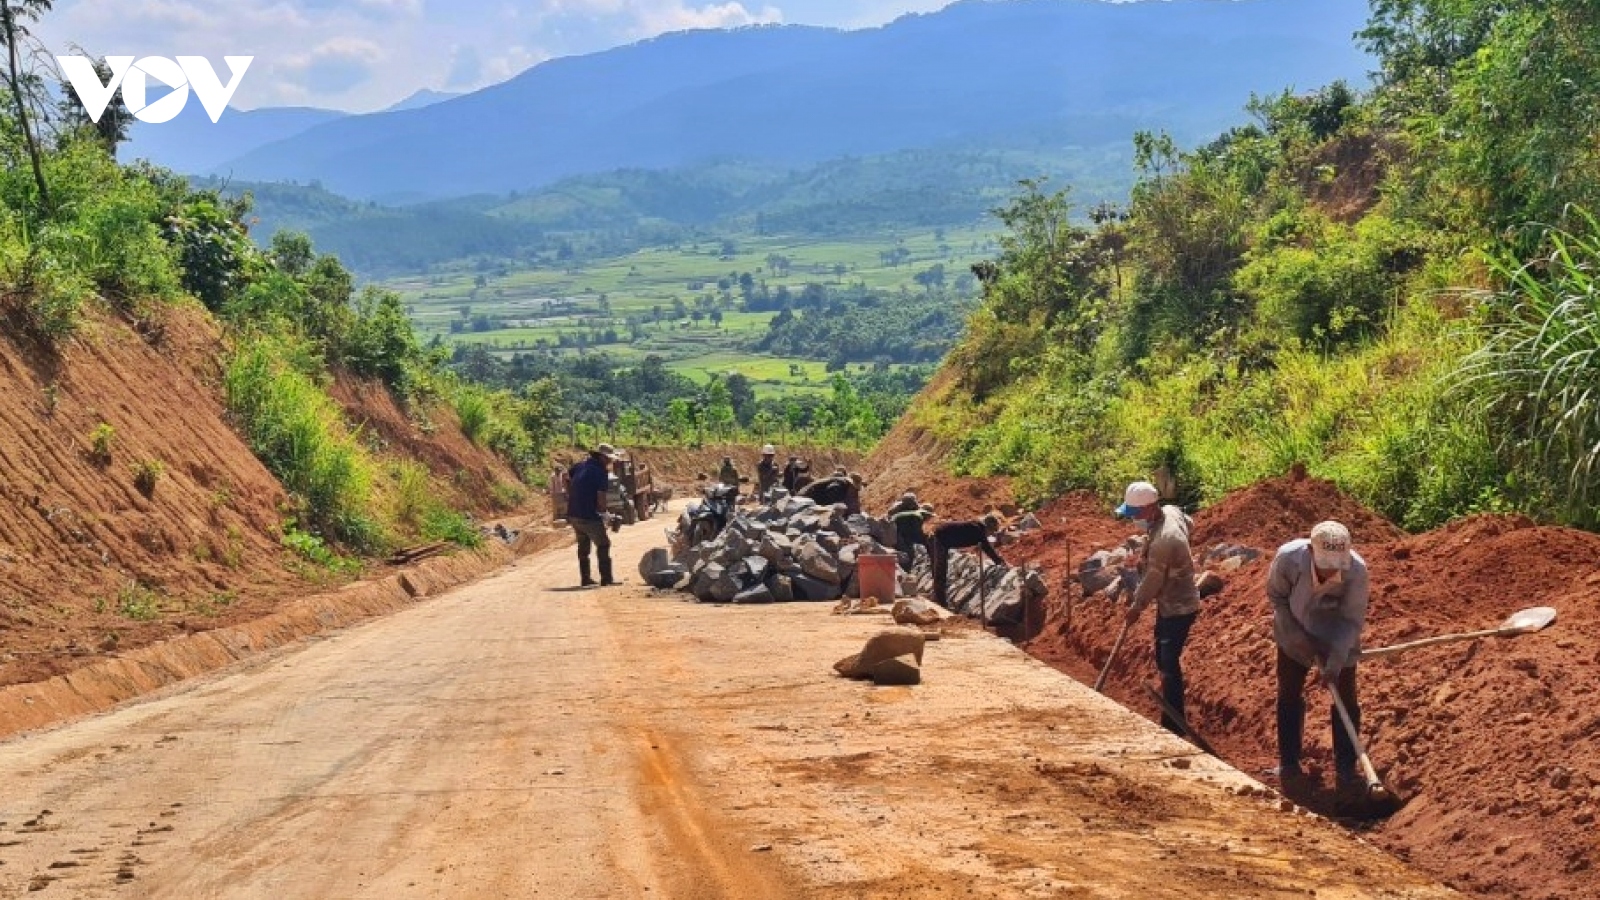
{"points": [[606, 450]]}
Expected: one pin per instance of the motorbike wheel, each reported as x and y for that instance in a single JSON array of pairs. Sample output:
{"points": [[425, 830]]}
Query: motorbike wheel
{"points": [[701, 531]]}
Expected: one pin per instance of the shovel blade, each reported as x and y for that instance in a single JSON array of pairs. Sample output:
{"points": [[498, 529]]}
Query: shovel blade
{"points": [[1530, 620]]}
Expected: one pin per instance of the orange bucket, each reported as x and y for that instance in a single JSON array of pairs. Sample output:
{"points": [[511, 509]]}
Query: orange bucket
{"points": [[875, 576]]}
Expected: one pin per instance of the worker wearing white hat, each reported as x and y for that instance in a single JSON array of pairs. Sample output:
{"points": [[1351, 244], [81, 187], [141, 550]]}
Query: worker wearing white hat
{"points": [[767, 472], [1166, 578], [1319, 591]]}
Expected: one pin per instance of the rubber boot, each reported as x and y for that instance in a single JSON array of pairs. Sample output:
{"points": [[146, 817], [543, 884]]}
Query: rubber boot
{"points": [[585, 578], [605, 570]]}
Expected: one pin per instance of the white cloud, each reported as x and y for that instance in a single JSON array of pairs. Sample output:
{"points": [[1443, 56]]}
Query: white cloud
{"points": [[332, 67], [658, 18]]}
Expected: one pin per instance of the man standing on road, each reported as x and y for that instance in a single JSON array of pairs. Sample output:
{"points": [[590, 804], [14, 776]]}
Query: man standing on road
{"points": [[955, 536], [586, 511], [1166, 577], [1318, 588], [767, 471]]}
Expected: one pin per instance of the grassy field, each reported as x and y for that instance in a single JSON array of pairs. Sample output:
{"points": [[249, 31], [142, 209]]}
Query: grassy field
{"points": [[634, 295]]}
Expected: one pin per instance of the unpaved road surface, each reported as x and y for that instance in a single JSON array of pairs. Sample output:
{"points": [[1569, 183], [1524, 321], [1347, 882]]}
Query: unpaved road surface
{"points": [[512, 739]]}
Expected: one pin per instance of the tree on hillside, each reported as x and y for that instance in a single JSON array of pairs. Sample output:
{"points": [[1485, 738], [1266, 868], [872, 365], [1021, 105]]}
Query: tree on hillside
{"points": [[20, 82], [291, 252], [112, 127], [742, 395]]}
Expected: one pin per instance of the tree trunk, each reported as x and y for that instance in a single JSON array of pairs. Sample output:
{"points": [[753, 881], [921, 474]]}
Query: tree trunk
{"points": [[15, 77]]}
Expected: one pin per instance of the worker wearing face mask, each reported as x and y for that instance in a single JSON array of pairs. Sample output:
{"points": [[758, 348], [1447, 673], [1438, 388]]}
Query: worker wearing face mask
{"points": [[1167, 578]]}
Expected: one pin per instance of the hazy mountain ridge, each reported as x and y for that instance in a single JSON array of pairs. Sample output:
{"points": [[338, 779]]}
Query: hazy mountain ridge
{"points": [[1086, 71]]}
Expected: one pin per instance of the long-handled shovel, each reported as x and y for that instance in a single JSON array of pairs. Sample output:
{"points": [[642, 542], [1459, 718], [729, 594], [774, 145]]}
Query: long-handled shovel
{"points": [[1527, 621], [1101, 681], [1183, 724], [1380, 801]]}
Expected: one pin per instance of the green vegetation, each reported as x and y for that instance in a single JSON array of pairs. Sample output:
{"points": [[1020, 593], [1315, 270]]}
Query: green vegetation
{"points": [[139, 603], [776, 318], [145, 475], [101, 438], [314, 549], [1358, 282], [299, 433], [613, 214]]}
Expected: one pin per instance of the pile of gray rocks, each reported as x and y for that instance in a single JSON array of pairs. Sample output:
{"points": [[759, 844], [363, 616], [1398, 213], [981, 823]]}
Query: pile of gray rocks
{"points": [[791, 549]]}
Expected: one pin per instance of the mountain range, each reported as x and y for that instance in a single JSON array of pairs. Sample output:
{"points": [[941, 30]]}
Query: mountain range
{"points": [[978, 75]]}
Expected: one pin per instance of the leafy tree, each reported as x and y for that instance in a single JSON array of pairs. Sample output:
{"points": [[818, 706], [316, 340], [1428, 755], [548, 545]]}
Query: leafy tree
{"points": [[217, 256], [112, 127], [382, 343], [21, 83], [741, 395], [291, 252]]}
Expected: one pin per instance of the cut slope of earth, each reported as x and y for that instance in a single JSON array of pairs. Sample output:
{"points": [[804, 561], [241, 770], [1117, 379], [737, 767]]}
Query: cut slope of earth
{"points": [[91, 564]]}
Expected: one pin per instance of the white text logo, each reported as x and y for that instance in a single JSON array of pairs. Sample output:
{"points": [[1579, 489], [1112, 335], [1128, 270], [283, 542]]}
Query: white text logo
{"points": [[187, 72]]}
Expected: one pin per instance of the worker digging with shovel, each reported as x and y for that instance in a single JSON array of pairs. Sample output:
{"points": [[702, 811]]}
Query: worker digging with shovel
{"points": [[1318, 587]]}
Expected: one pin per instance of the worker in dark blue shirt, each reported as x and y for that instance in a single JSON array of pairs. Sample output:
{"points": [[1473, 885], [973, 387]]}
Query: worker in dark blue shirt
{"points": [[956, 536], [586, 512]]}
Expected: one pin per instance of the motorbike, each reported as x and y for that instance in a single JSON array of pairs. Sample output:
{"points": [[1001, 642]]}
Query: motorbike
{"points": [[707, 519]]}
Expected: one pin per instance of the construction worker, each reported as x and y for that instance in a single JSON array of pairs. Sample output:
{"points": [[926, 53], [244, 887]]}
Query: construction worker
{"points": [[767, 471], [955, 536], [586, 512], [729, 475], [1166, 576], [1318, 588], [791, 472], [828, 491], [907, 515]]}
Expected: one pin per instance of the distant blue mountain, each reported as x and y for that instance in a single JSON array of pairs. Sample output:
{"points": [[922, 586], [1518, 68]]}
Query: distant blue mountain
{"points": [[193, 143], [976, 74], [421, 99]]}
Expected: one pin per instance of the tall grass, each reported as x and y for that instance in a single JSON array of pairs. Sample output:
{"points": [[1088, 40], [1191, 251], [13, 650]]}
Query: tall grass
{"points": [[1538, 372], [298, 432], [473, 409]]}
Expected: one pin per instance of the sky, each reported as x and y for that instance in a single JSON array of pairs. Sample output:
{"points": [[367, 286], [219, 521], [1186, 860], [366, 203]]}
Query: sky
{"points": [[361, 55]]}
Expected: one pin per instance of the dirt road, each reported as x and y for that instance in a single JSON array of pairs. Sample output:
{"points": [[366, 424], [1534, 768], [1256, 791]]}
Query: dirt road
{"points": [[513, 739]]}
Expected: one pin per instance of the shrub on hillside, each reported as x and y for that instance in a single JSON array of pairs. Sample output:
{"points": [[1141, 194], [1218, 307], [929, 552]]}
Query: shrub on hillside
{"points": [[299, 433]]}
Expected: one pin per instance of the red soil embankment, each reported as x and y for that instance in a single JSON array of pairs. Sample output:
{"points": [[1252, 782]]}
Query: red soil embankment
{"points": [[91, 564]]}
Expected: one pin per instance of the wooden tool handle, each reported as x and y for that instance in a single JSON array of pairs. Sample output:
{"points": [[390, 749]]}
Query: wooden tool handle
{"points": [[1355, 739], [1392, 649], [1106, 670]]}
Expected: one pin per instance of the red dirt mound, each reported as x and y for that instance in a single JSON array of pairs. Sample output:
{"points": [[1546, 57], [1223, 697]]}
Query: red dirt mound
{"points": [[1497, 742], [1268, 513]]}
